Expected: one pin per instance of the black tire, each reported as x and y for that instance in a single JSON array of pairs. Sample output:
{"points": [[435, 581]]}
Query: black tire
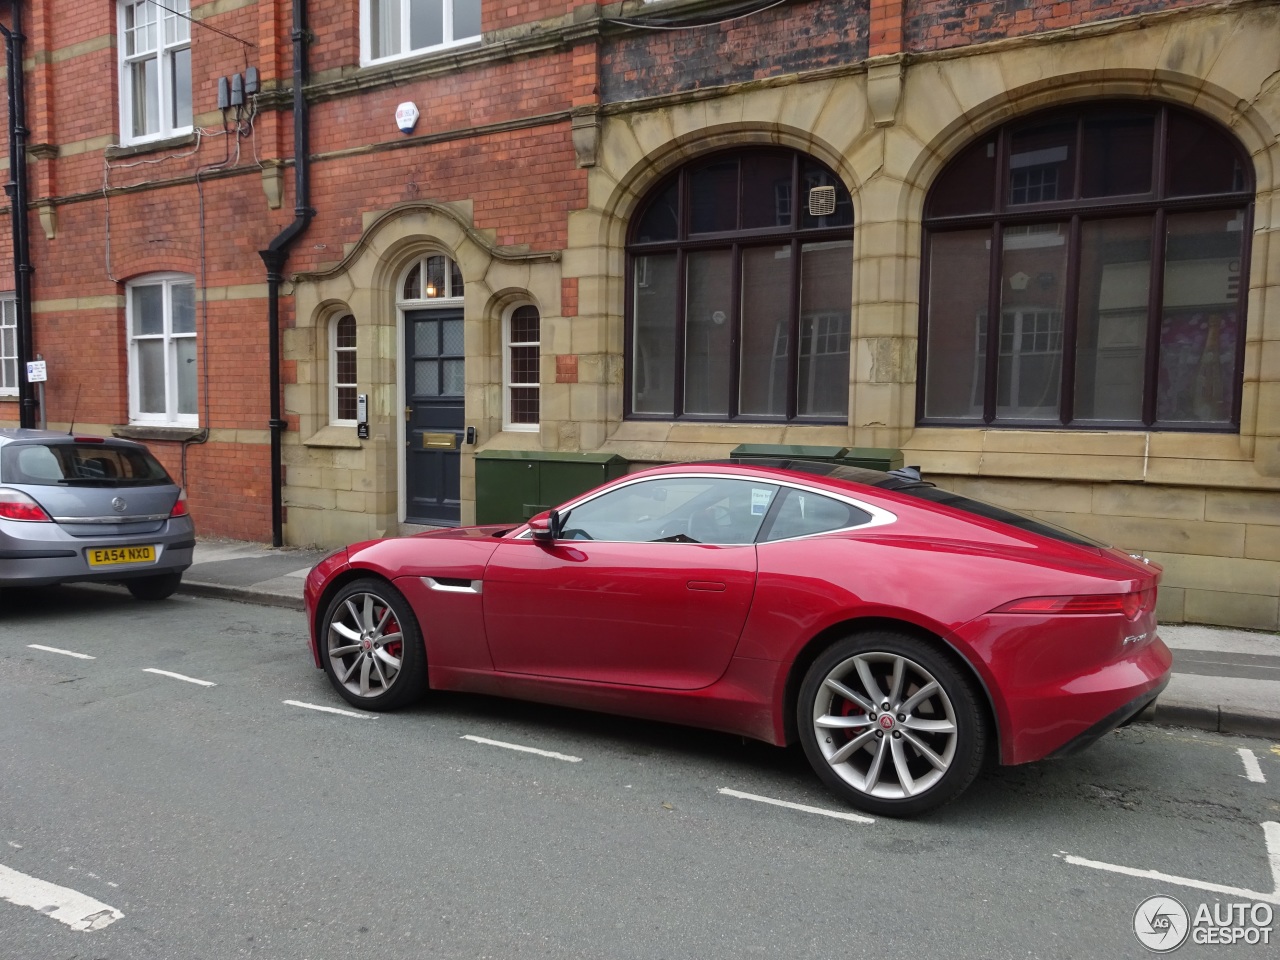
{"points": [[371, 646], [921, 753], [159, 587]]}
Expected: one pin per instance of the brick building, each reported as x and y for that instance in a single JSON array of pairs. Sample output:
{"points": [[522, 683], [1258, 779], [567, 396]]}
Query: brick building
{"points": [[1033, 244]]}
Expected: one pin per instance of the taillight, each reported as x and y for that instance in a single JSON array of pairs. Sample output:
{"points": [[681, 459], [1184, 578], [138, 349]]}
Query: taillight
{"points": [[1128, 604], [180, 507], [16, 505]]}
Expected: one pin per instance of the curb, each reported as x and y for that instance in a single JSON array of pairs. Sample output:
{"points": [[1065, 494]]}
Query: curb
{"points": [[263, 598], [1212, 717]]}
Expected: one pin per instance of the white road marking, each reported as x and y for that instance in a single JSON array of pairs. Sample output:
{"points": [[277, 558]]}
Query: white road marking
{"points": [[65, 653], [837, 814], [76, 910], [1252, 769], [515, 746], [1272, 834], [345, 713], [178, 676]]}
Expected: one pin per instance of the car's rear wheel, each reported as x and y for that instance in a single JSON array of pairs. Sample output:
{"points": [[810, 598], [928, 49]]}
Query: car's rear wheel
{"points": [[158, 587], [892, 723], [371, 646]]}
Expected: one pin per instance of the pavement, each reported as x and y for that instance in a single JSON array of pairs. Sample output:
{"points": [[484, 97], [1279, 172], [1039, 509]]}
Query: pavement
{"points": [[1224, 679]]}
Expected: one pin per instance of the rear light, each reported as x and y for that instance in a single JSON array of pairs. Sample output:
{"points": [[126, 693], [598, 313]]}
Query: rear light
{"points": [[1128, 604], [88, 439], [179, 508], [16, 505]]}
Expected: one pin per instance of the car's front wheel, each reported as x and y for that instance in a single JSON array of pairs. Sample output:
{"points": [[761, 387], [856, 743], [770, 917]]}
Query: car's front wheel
{"points": [[371, 646], [892, 723], [158, 587]]}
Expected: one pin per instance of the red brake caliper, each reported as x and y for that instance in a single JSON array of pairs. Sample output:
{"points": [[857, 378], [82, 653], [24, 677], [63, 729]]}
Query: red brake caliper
{"points": [[395, 646]]}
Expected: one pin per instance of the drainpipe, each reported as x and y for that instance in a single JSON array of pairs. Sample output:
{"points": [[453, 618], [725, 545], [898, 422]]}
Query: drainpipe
{"points": [[278, 252], [16, 188]]}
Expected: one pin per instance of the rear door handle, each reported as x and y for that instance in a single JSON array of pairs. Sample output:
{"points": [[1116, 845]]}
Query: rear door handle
{"points": [[712, 586]]}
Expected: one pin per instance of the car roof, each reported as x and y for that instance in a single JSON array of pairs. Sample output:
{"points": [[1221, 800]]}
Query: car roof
{"points": [[900, 479], [13, 434]]}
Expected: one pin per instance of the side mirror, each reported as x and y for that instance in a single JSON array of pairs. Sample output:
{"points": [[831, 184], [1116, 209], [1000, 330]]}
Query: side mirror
{"points": [[545, 526]]}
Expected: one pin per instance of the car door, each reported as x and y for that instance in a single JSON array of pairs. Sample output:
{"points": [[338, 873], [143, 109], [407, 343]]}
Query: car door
{"points": [[650, 585]]}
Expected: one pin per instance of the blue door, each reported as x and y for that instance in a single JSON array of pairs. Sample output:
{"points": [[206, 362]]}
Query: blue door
{"points": [[434, 408]]}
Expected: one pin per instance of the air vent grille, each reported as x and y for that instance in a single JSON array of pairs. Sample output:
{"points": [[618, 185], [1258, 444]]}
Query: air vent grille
{"points": [[822, 201]]}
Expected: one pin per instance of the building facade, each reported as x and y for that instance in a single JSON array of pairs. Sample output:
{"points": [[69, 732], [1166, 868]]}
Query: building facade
{"points": [[1031, 244]]}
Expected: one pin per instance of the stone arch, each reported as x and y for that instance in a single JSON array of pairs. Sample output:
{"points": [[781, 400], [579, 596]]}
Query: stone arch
{"points": [[616, 190], [1242, 120]]}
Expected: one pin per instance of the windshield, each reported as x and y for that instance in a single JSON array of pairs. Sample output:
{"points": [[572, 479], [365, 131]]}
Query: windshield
{"points": [[80, 465]]}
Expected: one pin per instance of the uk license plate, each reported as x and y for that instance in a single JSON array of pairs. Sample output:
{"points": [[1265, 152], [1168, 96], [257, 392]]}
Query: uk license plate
{"points": [[109, 556]]}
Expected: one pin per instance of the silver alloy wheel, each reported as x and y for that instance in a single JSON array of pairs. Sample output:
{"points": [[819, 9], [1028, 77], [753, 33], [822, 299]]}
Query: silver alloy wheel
{"points": [[366, 644], [885, 725]]}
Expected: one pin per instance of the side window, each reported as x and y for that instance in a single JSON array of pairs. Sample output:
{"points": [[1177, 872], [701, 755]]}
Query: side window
{"points": [[342, 371], [520, 368], [802, 513], [155, 69], [397, 28], [675, 510], [8, 345], [161, 315]]}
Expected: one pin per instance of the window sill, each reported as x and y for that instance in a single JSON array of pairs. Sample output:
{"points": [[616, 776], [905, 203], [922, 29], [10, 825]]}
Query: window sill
{"points": [[148, 146], [425, 53], [335, 437], [136, 431]]}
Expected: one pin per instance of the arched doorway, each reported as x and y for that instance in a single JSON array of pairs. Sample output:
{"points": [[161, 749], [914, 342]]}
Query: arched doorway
{"points": [[430, 296]]}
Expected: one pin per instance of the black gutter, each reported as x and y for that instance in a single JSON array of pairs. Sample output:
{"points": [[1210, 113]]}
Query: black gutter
{"points": [[16, 188], [278, 252]]}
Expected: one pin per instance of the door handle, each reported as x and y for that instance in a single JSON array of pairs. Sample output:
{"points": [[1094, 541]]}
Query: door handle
{"points": [[408, 413], [711, 586]]}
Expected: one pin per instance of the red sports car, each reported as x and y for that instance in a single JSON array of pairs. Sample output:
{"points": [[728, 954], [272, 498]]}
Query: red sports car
{"points": [[899, 632]]}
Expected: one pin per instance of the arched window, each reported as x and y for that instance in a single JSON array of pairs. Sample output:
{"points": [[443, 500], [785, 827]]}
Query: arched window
{"points": [[1086, 268], [740, 268], [520, 361], [342, 371], [436, 277]]}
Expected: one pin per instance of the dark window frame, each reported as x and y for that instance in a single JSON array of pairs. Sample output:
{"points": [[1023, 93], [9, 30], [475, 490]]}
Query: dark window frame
{"points": [[735, 242], [1073, 213]]}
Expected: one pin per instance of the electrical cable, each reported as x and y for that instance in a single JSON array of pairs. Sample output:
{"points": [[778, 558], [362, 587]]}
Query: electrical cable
{"points": [[201, 23], [668, 23]]}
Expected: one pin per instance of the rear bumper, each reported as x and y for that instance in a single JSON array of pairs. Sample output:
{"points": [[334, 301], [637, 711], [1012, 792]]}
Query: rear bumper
{"points": [[40, 563], [1053, 721], [1111, 721]]}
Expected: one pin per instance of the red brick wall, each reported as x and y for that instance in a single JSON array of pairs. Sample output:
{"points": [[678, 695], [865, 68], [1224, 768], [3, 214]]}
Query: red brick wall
{"points": [[499, 14], [940, 24], [788, 39]]}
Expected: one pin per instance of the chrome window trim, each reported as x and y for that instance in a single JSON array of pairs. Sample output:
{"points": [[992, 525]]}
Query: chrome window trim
{"points": [[150, 517], [879, 516]]}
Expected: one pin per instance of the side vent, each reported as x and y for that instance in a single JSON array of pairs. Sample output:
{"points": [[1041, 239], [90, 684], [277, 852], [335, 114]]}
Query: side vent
{"points": [[822, 201]]}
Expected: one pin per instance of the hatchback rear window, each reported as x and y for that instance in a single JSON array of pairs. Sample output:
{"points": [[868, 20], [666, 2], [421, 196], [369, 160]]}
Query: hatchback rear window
{"points": [[80, 464]]}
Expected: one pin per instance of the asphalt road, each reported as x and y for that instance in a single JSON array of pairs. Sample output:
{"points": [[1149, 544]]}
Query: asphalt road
{"points": [[220, 821]]}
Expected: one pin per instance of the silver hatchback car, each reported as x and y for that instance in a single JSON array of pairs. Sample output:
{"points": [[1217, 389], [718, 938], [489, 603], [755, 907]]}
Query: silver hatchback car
{"points": [[76, 508]]}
